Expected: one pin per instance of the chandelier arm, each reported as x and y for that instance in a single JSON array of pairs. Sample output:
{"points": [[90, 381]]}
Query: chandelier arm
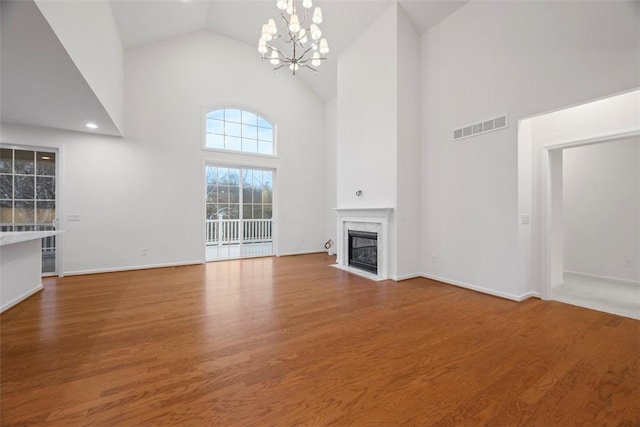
{"points": [[306, 51], [294, 57], [286, 25], [305, 61], [310, 67], [284, 18], [277, 50], [304, 18], [313, 59]]}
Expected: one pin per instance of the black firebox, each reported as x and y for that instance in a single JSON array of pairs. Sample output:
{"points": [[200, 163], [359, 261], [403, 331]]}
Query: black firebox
{"points": [[363, 250]]}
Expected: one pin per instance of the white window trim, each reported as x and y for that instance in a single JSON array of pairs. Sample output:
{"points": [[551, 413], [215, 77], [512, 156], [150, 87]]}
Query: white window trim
{"points": [[203, 132]]}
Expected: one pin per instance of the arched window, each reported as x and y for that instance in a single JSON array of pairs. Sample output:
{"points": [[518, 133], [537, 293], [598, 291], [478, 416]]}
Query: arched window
{"points": [[235, 129]]}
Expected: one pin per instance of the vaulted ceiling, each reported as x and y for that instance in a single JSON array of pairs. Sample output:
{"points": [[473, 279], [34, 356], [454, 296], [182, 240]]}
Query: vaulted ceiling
{"points": [[32, 56], [141, 22]]}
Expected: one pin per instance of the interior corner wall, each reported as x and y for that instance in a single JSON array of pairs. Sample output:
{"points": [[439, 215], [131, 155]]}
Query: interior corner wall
{"points": [[331, 140], [408, 147], [602, 209], [88, 32], [146, 190], [367, 117], [519, 59]]}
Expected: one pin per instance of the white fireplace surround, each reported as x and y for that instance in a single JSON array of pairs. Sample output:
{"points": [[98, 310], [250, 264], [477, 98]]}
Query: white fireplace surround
{"points": [[375, 220]]}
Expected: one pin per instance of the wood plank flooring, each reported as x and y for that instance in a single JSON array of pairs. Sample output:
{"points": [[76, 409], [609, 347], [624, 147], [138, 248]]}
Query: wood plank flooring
{"points": [[290, 341]]}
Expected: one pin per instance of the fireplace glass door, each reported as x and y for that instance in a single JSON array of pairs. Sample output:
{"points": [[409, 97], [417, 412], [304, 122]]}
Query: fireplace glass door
{"points": [[363, 250]]}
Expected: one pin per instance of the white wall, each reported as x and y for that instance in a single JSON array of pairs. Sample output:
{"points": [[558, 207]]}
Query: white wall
{"points": [[378, 132], [615, 114], [146, 190], [88, 32], [602, 209], [367, 124], [367, 117], [331, 170], [408, 146], [488, 59]]}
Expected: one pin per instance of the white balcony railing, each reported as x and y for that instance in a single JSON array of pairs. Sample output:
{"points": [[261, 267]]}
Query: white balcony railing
{"points": [[227, 231]]}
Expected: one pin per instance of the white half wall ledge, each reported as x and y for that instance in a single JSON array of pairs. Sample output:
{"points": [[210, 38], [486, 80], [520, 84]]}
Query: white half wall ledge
{"points": [[505, 295]]}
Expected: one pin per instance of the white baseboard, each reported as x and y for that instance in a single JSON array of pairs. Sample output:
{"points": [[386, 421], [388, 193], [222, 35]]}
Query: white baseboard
{"points": [[21, 298], [313, 251], [500, 294], [607, 278], [527, 295], [133, 267], [405, 277]]}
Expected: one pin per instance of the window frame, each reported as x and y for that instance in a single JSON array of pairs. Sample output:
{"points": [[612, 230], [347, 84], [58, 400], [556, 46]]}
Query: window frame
{"points": [[59, 211], [203, 132]]}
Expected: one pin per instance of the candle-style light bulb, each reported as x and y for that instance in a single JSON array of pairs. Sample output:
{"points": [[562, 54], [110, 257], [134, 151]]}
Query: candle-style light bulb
{"points": [[315, 59], [324, 46], [262, 45], [275, 58], [294, 24], [317, 16]]}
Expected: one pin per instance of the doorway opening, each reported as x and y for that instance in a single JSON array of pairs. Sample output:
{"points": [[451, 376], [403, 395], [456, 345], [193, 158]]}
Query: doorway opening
{"points": [[550, 252], [595, 222], [239, 212]]}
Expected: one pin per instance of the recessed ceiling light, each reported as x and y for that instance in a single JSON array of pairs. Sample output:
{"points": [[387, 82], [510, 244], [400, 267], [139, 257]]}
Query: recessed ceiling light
{"points": [[92, 126]]}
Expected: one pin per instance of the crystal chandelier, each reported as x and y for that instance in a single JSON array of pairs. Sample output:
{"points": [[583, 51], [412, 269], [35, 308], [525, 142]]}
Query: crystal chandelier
{"points": [[299, 45]]}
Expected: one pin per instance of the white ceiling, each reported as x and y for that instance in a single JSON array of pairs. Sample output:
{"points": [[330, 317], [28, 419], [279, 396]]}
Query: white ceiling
{"points": [[41, 86], [147, 21], [39, 82]]}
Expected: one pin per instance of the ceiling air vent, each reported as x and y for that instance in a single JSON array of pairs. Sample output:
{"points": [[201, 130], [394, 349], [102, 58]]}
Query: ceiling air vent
{"points": [[481, 127]]}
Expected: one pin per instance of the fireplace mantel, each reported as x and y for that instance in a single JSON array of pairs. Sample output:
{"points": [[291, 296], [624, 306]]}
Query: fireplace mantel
{"points": [[365, 210], [364, 219]]}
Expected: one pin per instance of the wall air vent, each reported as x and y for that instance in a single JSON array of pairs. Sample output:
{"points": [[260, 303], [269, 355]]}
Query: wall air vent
{"points": [[481, 127]]}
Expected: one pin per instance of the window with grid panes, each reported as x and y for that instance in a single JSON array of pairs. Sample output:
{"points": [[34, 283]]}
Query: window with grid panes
{"points": [[28, 196], [27, 189], [235, 129], [227, 186]]}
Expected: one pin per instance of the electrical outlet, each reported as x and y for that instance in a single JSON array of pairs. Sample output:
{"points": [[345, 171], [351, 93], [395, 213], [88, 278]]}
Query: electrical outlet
{"points": [[143, 251], [629, 263], [434, 259]]}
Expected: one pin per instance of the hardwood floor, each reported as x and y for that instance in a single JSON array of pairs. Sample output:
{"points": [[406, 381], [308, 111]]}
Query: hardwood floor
{"points": [[289, 341]]}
